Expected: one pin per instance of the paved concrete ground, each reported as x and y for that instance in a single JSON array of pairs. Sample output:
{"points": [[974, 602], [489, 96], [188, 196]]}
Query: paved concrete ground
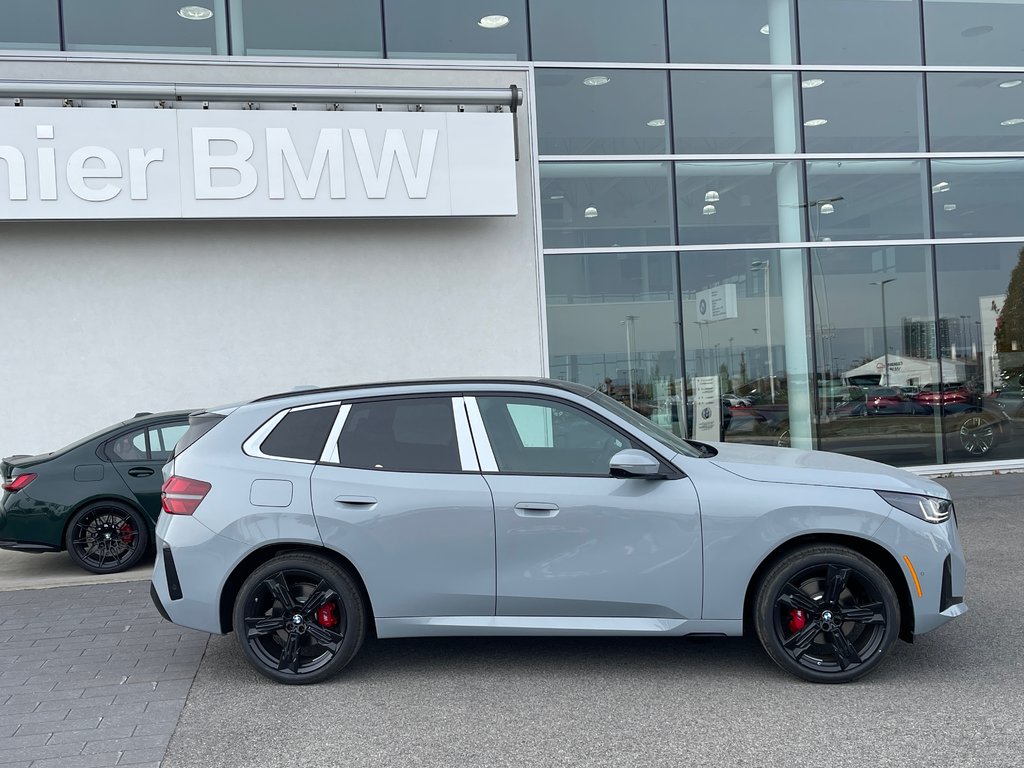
{"points": [[32, 570], [953, 698]]}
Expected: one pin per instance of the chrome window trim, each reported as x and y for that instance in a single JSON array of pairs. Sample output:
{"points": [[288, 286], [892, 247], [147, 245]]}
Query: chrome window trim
{"points": [[467, 451], [330, 452], [771, 158], [480, 439], [786, 246], [251, 447]]}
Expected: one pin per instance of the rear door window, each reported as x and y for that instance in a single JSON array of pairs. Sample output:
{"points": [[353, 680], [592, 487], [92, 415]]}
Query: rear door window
{"points": [[406, 435]]}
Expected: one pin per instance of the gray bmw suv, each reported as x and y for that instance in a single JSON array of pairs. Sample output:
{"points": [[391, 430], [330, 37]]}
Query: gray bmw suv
{"points": [[303, 521]]}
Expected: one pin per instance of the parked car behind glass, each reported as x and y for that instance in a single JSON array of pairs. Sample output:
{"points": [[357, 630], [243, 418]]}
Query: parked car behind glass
{"points": [[97, 498], [536, 507]]}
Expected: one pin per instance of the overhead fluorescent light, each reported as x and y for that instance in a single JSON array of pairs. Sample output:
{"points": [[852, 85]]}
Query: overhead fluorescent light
{"points": [[765, 30], [1010, 83], [195, 13], [1013, 121], [812, 82], [596, 80], [590, 212], [709, 210], [711, 196], [657, 122], [815, 122], [949, 207], [941, 186], [494, 21]]}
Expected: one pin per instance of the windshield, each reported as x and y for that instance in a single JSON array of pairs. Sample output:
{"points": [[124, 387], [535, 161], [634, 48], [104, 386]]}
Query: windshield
{"points": [[648, 427]]}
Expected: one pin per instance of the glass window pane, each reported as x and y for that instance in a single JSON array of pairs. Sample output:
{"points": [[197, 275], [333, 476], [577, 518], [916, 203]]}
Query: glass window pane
{"points": [[973, 33], [346, 28], [865, 112], [732, 112], [977, 112], [627, 114], [874, 339], [456, 29], [978, 198], [301, 434], [597, 30], [33, 26], [145, 25], [866, 199], [743, 346], [731, 31], [860, 32], [605, 204], [981, 327], [612, 325], [739, 202], [539, 437], [130, 447], [409, 435]]}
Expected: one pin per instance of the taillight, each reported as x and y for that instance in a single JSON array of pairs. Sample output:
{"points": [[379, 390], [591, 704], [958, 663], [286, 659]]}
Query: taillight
{"points": [[19, 482], [182, 495]]}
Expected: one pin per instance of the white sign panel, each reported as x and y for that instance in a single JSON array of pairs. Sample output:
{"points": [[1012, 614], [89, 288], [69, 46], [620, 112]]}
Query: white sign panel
{"points": [[718, 303], [83, 163], [707, 409]]}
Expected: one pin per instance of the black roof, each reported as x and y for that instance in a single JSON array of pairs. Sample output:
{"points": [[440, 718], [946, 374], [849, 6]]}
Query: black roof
{"points": [[566, 385]]}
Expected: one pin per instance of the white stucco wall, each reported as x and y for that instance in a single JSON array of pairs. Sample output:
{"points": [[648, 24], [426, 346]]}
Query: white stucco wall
{"points": [[104, 319]]}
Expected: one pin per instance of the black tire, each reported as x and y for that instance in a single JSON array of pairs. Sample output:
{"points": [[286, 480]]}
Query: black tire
{"points": [[977, 435], [281, 625], [107, 537], [826, 613]]}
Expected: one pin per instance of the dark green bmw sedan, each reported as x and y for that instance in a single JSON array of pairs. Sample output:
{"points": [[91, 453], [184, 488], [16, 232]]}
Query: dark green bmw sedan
{"points": [[97, 498]]}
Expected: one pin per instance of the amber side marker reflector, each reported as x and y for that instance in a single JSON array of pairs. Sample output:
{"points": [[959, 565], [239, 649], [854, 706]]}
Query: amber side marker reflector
{"points": [[913, 573]]}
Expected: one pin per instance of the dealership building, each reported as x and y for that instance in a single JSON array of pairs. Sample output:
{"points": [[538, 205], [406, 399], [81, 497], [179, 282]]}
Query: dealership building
{"points": [[782, 222]]}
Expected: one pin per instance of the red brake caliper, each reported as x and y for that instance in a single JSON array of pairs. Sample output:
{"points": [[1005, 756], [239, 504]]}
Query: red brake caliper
{"points": [[127, 533], [327, 616], [797, 620]]}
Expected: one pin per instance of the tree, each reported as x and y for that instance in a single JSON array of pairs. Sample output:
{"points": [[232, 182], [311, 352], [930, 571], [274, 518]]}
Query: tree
{"points": [[1009, 333]]}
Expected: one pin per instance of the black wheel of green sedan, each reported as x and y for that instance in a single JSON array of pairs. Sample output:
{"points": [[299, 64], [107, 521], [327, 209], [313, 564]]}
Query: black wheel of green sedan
{"points": [[299, 618], [106, 537], [826, 614]]}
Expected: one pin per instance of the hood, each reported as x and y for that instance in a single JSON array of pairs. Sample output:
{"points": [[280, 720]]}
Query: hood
{"points": [[789, 465]]}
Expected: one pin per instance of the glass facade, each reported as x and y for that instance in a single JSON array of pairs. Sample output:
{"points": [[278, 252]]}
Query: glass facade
{"points": [[809, 207]]}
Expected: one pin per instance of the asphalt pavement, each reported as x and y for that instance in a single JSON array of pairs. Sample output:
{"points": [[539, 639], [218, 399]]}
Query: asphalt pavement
{"points": [[953, 698]]}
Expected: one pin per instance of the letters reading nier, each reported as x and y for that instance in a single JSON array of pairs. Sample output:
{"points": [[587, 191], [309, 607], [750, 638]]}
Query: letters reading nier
{"points": [[222, 165]]}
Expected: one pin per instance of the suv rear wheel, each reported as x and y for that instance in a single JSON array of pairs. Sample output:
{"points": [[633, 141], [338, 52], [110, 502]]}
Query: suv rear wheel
{"points": [[299, 618]]}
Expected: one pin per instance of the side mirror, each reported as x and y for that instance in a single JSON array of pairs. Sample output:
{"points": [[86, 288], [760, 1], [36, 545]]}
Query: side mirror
{"points": [[635, 463]]}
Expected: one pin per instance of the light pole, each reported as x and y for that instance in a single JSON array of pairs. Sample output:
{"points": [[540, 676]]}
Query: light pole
{"points": [[630, 330], [885, 327], [764, 265]]}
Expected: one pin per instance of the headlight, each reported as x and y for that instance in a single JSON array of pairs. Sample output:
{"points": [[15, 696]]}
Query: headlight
{"points": [[927, 508]]}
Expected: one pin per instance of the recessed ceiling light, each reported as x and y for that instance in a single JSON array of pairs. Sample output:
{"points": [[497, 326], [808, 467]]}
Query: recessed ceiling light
{"points": [[1010, 83], [827, 208], [815, 122], [590, 212], [976, 31], [195, 13], [709, 210], [494, 21], [1013, 121], [657, 122], [940, 186], [596, 80], [765, 30], [711, 196], [949, 207], [812, 82]]}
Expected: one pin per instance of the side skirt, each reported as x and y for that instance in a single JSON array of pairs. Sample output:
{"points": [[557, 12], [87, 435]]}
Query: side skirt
{"points": [[454, 626]]}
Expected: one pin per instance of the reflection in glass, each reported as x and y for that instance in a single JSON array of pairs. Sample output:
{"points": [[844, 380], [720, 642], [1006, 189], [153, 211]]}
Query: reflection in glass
{"points": [[349, 28], [626, 115], [732, 112], [892, 123], [866, 199], [737, 336], [33, 26], [731, 31], [145, 25], [597, 30], [611, 325], [872, 373], [978, 198], [605, 204], [456, 29], [976, 112], [973, 32], [739, 202], [860, 32]]}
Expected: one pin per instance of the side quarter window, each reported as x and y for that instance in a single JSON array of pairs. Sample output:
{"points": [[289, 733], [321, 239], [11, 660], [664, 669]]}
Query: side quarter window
{"points": [[129, 447]]}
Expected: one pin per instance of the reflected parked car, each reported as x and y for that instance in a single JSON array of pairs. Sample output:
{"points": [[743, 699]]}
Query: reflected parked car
{"points": [[98, 498], [947, 393], [536, 507]]}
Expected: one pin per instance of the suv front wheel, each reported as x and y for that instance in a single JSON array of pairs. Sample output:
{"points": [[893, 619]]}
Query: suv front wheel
{"points": [[299, 618]]}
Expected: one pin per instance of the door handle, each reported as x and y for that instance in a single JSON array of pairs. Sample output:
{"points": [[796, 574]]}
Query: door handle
{"points": [[536, 509], [362, 501], [140, 471]]}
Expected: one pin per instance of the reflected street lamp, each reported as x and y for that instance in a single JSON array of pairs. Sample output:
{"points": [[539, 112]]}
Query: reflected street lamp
{"points": [[885, 327]]}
